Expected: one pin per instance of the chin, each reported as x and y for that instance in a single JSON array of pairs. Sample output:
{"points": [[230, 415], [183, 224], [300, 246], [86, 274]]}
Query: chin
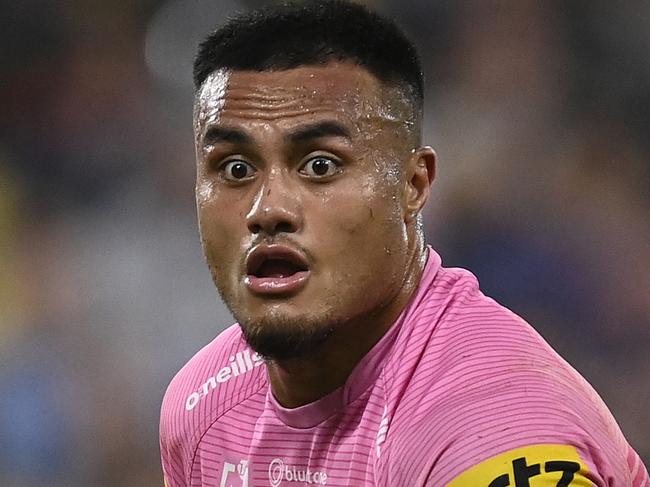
{"points": [[279, 336]]}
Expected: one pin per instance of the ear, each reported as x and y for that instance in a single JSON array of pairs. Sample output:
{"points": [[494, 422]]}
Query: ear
{"points": [[420, 173]]}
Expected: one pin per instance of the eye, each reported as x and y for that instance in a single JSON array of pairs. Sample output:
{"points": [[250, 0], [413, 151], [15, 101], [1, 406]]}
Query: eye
{"points": [[237, 170], [320, 167]]}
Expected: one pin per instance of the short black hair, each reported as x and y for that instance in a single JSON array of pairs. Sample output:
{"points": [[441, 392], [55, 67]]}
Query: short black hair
{"points": [[296, 34]]}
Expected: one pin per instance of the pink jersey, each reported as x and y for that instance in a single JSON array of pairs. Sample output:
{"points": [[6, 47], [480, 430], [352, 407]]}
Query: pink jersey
{"points": [[459, 392]]}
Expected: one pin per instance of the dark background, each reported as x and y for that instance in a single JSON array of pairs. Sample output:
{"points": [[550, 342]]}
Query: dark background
{"points": [[539, 111]]}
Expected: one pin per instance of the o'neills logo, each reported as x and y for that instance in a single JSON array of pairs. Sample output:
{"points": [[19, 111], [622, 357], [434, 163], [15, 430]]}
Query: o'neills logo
{"points": [[240, 363], [280, 472]]}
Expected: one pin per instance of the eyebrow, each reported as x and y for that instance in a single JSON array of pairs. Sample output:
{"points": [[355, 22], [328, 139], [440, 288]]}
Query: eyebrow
{"points": [[215, 135], [327, 128]]}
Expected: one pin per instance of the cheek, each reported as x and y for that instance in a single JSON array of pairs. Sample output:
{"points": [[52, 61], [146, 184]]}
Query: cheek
{"points": [[217, 208], [219, 225], [372, 209], [362, 226], [363, 246]]}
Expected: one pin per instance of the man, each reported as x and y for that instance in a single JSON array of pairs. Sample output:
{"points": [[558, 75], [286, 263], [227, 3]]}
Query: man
{"points": [[358, 359]]}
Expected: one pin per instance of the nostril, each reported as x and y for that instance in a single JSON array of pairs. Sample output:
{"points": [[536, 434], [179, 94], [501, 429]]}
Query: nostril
{"points": [[280, 227], [284, 227]]}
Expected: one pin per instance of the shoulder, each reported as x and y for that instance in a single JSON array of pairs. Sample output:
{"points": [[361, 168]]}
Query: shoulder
{"points": [[486, 383], [220, 376], [473, 337], [506, 410], [459, 336], [511, 415]]}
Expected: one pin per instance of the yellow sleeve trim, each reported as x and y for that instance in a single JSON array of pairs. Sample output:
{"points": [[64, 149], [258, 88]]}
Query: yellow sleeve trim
{"points": [[531, 466]]}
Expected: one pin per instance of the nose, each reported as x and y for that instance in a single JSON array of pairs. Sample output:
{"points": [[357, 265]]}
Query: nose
{"points": [[276, 209]]}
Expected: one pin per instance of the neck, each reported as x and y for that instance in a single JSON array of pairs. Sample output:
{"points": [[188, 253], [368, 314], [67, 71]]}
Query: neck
{"points": [[299, 381]]}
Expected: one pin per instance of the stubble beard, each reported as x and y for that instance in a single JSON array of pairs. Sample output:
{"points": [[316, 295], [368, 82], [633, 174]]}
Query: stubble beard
{"points": [[281, 338], [275, 335]]}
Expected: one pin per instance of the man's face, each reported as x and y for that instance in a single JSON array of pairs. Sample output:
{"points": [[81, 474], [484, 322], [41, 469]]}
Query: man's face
{"points": [[301, 198]]}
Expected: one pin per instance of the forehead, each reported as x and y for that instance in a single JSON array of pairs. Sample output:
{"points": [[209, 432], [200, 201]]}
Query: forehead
{"points": [[332, 80], [341, 90]]}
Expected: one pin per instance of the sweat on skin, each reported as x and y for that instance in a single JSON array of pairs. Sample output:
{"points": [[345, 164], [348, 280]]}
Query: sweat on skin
{"points": [[377, 181]]}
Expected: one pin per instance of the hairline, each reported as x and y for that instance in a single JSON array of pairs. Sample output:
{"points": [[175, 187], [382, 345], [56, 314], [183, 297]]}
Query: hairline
{"points": [[401, 84]]}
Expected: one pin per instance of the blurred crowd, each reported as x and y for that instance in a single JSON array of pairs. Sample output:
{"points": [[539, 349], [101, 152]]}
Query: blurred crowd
{"points": [[539, 112]]}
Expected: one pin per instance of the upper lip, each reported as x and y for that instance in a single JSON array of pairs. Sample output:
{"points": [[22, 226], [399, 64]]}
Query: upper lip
{"points": [[263, 252]]}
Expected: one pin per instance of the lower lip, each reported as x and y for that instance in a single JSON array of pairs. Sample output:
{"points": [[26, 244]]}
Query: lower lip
{"points": [[277, 285]]}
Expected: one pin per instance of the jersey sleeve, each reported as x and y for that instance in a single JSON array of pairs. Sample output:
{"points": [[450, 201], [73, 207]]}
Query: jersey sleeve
{"points": [[546, 465], [515, 414], [524, 433]]}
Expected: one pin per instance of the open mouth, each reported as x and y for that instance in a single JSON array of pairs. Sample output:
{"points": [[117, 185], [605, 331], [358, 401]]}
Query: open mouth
{"points": [[275, 269]]}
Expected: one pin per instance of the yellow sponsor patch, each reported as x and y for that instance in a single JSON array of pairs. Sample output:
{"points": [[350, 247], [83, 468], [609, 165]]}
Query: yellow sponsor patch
{"points": [[531, 466]]}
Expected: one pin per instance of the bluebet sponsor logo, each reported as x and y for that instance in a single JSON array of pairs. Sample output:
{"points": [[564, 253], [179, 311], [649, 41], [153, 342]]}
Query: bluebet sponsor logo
{"points": [[279, 472], [240, 363]]}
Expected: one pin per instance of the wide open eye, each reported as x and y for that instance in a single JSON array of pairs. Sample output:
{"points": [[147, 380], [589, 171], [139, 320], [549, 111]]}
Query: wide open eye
{"points": [[320, 167], [237, 170]]}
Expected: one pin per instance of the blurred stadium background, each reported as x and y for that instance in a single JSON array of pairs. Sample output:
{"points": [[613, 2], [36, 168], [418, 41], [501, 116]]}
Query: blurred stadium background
{"points": [[539, 111]]}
